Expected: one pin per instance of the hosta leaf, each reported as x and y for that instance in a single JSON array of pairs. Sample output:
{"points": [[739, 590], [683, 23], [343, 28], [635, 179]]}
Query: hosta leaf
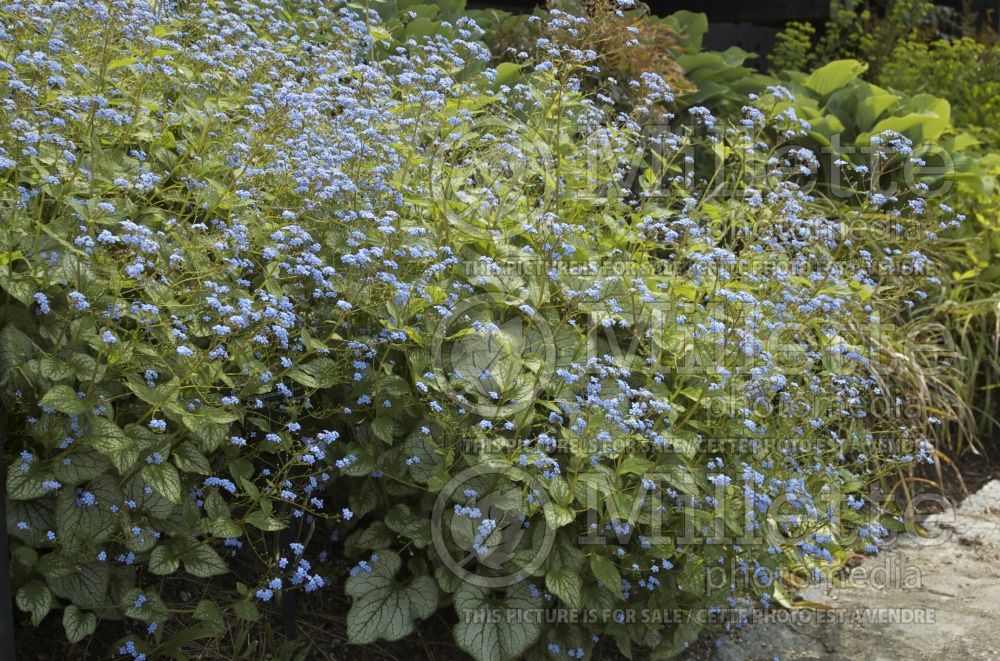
{"points": [[384, 608], [487, 639], [834, 75], [78, 623]]}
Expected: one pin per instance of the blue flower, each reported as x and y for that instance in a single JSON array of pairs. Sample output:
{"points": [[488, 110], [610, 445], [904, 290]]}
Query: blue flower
{"points": [[42, 301]]}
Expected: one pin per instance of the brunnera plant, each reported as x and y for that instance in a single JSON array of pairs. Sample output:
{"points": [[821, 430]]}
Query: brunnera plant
{"points": [[280, 298]]}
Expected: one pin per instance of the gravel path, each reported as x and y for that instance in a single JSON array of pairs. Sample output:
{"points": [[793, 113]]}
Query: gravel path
{"points": [[933, 601]]}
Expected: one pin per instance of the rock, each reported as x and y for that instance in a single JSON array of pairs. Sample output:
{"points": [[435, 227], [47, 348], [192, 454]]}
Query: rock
{"points": [[934, 600]]}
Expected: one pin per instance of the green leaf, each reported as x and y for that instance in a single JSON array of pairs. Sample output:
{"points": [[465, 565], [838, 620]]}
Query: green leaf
{"points": [[162, 561], [318, 373], [35, 598], [377, 536], [834, 75], [87, 587], [81, 465], [692, 26], [79, 525], [38, 514], [25, 485], [164, 479], [606, 572], [487, 639], [379, 33], [208, 435], [245, 610], [21, 287], [120, 62], [64, 399], [202, 561], [190, 459], [557, 516], [566, 584], [402, 520], [152, 504], [385, 429], [53, 369], [15, 348], [144, 605], [508, 73], [871, 108], [208, 613], [430, 455], [635, 466], [158, 396], [78, 623], [384, 608], [107, 438], [264, 522]]}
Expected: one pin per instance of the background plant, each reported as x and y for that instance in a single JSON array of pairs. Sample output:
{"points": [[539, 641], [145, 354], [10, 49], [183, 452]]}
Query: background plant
{"points": [[917, 49]]}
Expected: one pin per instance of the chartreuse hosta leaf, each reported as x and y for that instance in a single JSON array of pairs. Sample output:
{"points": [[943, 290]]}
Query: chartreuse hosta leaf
{"points": [[385, 607], [490, 638], [834, 75]]}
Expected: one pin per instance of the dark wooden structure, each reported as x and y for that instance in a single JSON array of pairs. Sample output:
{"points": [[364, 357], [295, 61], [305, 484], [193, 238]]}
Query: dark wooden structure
{"points": [[753, 25]]}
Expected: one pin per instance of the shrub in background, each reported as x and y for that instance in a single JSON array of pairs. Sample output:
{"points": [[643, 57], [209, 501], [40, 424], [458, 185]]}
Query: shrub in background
{"points": [[919, 50]]}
